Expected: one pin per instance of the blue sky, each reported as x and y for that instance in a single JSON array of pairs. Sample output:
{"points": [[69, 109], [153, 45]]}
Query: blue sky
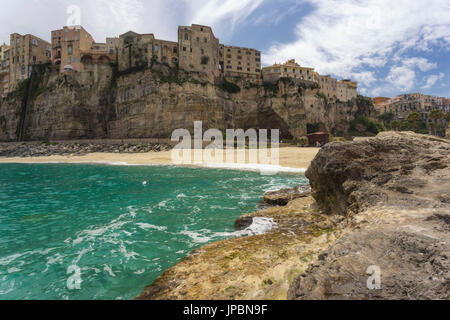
{"points": [[389, 47]]}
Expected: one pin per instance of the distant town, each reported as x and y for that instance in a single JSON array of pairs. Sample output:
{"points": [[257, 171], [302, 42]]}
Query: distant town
{"points": [[197, 50]]}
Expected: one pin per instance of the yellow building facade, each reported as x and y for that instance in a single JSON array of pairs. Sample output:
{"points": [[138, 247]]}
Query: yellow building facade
{"points": [[73, 47], [4, 69], [25, 52]]}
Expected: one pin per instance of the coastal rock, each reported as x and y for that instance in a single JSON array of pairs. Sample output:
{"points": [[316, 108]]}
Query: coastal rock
{"points": [[35, 149], [404, 169], [256, 267], [284, 196], [394, 190]]}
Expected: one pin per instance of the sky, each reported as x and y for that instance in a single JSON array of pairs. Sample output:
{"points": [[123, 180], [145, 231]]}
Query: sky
{"points": [[389, 46]]}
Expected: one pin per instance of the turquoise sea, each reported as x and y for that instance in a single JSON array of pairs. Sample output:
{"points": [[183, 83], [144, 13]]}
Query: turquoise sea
{"points": [[113, 228]]}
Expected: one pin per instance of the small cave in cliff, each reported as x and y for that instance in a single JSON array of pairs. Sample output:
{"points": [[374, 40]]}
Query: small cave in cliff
{"points": [[270, 120]]}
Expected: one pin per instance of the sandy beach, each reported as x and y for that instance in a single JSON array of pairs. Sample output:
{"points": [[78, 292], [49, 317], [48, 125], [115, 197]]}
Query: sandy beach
{"points": [[290, 157]]}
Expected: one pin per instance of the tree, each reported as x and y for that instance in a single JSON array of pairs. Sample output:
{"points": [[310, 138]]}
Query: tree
{"points": [[436, 116], [386, 117], [414, 118], [447, 116], [396, 125]]}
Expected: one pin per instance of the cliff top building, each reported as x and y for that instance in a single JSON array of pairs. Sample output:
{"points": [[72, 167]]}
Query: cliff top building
{"points": [[289, 69], [240, 62], [73, 47], [343, 90], [4, 69], [26, 51], [197, 50]]}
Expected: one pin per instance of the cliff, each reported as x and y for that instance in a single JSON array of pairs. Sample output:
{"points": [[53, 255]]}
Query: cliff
{"points": [[152, 102]]}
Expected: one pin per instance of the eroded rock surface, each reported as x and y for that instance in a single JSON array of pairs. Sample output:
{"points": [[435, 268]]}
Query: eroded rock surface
{"points": [[256, 267], [284, 196], [395, 190]]}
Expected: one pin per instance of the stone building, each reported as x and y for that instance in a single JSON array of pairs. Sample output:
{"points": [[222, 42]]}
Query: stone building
{"points": [[346, 90], [240, 62], [26, 51], [402, 105], [381, 104], [4, 69], [136, 50], [328, 86], [290, 69], [343, 90], [73, 47], [199, 50]]}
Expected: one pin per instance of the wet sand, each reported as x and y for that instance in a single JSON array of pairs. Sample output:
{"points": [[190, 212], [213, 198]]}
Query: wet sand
{"points": [[289, 157]]}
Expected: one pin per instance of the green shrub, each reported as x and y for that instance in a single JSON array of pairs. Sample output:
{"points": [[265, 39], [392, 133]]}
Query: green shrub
{"points": [[229, 87]]}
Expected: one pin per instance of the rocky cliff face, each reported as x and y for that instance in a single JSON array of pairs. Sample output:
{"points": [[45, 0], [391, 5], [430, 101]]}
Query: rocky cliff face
{"points": [[395, 192], [101, 103]]}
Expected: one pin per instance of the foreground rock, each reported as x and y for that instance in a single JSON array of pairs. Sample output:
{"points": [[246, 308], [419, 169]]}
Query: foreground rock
{"points": [[284, 196], [41, 149], [395, 188], [256, 267]]}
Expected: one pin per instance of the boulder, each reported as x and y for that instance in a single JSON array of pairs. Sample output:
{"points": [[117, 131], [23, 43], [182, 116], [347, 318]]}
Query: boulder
{"points": [[283, 196], [394, 190]]}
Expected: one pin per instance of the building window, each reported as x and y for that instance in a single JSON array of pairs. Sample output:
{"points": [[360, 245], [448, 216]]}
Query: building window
{"points": [[258, 60], [184, 48], [34, 42], [205, 60], [156, 48], [69, 49], [175, 50], [186, 37], [206, 40]]}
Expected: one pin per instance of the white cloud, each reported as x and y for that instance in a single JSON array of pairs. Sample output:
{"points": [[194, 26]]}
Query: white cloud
{"points": [[222, 15], [431, 80], [402, 77], [364, 77], [339, 37], [423, 64]]}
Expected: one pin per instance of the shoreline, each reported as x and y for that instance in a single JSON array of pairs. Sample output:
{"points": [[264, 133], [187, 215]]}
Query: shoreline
{"points": [[291, 159]]}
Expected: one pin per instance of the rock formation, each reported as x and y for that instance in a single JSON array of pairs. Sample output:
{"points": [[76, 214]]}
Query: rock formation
{"points": [[395, 192], [150, 103]]}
